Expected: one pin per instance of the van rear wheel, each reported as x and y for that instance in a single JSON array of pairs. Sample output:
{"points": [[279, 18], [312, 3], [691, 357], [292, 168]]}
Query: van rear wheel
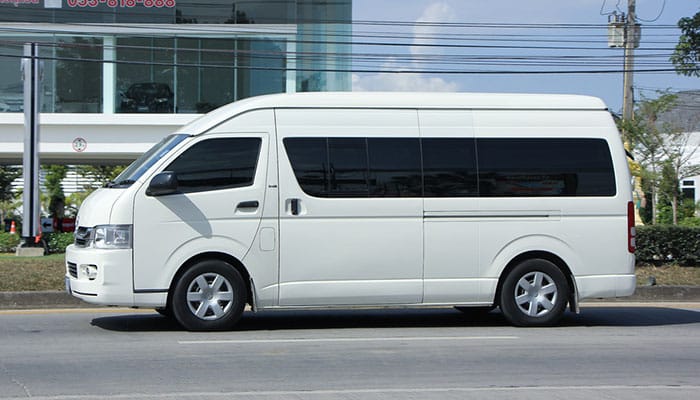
{"points": [[534, 293], [209, 296]]}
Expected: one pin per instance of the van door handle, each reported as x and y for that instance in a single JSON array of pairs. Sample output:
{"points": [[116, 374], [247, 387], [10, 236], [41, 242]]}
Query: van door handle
{"points": [[254, 204], [294, 206]]}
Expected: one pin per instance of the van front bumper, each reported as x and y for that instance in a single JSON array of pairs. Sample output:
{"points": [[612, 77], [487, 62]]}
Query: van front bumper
{"points": [[100, 276]]}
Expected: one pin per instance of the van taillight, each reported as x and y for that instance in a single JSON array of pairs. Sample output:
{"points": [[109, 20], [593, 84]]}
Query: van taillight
{"points": [[631, 231]]}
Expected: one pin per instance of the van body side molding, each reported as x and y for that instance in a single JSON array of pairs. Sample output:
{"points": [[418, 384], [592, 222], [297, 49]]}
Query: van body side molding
{"points": [[492, 214], [146, 291]]}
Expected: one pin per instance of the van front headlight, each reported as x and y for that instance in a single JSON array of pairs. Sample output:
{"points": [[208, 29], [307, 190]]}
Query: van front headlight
{"points": [[112, 237]]}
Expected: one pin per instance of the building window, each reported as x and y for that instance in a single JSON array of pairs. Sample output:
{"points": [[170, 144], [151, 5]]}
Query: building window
{"points": [[72, 74], [186, 68], [78, 75], [145, 75]]}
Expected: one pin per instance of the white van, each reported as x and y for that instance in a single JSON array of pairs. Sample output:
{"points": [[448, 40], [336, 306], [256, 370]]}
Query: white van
{"points": [[367, 199]]}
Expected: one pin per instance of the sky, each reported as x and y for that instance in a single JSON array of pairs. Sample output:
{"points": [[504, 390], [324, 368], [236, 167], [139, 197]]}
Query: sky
{"points": [[659, 36]]}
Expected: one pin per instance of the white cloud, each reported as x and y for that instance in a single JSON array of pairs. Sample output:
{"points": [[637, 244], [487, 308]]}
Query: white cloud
{"points": [[414, 82], [401, 83], [438, 11]]}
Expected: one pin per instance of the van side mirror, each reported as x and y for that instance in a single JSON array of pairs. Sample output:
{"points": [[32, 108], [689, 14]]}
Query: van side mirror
{"points": [[162, 184]]}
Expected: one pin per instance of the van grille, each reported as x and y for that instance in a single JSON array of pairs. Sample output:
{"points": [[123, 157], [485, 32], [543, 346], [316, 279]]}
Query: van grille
{"points": [[82, 236], [73, 269]]}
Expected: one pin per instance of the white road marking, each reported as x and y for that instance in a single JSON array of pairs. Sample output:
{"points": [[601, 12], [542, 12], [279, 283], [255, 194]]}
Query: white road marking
{"points": [[341, 340], [661, 390]]}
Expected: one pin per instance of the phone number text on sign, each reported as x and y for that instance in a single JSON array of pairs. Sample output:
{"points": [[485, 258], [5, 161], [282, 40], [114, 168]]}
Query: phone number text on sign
{"points": [[122, 3]]}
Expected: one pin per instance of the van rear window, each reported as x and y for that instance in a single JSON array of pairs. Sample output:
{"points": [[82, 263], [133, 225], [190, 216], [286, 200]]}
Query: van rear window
{"points": [[452, 167], [544, 167]]}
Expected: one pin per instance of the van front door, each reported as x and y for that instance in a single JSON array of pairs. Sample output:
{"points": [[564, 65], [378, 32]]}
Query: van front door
{"points": [[350, 207], [217, 207]]}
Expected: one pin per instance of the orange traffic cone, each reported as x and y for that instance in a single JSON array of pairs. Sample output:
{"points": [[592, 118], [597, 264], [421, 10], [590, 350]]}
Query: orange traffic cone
{"points": [[13, 228]]}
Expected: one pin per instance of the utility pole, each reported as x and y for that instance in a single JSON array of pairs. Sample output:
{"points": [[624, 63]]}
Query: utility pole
{"points": [[32, 75], [624, 32], [631, 41]]}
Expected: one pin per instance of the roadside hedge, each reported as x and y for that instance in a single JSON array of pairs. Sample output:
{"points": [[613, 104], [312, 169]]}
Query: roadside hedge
{"points": [[8, 242], [659, 244], [56, 242]]}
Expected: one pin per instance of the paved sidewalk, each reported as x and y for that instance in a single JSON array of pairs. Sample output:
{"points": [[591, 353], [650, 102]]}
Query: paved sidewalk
{"points": [[33, 300]]}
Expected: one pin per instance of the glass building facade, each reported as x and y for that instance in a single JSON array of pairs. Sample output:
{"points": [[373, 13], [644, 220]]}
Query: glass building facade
{"points": [[172, 56]]}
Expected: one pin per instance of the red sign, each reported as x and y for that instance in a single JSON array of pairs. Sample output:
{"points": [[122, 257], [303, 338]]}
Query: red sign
{"points": [[19, 2], [117, 3]]}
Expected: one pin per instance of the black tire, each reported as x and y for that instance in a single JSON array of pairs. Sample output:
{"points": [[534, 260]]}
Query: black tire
{"points": [[209, 296], [534, 293]]}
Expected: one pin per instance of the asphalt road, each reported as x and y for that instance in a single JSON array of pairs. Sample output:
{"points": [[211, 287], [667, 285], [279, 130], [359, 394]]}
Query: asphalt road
{"points": [[608, 351]]}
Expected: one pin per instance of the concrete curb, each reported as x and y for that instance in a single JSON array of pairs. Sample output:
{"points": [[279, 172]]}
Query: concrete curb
{"points": [[26, 300], [29, 300], [664, 293]]}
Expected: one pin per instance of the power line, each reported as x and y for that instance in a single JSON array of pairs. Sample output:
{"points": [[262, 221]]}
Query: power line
{"points": [[440, 71]]}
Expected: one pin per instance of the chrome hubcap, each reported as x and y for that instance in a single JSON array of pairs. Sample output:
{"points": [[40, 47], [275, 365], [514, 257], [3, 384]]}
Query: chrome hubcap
{"points": [[209, 296], [536, 294]]}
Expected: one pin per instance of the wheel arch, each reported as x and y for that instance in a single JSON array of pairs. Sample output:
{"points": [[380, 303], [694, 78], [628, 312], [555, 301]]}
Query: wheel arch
{"points": [[544, 255], [213, 255]]}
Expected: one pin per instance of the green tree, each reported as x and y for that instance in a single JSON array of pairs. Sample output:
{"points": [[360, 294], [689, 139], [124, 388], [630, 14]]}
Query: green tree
{"points": [[665, 151], [686, 57], [7, 198], [99, 175], [672, 206], [648, 140], [7, 175], [52, 180]]}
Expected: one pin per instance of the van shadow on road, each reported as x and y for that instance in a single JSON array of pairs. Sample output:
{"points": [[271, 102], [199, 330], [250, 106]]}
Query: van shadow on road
{"points": [[406, 318]]}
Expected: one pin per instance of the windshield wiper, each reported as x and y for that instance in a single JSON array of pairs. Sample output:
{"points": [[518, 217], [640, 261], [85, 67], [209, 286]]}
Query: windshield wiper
{"points": [[123, 182]]}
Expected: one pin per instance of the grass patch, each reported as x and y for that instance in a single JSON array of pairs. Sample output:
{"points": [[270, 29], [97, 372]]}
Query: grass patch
{"points": [[32, 273], [668, 275], [46, 273]]}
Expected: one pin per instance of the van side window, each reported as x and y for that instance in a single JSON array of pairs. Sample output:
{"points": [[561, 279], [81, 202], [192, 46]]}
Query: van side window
{"points": [[347, 159], [356, 167], [394, 167], [309, 157], [217, 164], [449, 167], [452, 167], [515, 167]]}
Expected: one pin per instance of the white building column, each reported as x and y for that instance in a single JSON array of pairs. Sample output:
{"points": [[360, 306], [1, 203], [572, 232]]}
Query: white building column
{"points": [[291, 60], [109, 74]]}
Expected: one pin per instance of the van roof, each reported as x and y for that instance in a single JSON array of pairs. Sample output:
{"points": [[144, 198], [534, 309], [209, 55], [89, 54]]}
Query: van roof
{"points": [[410, 100]]}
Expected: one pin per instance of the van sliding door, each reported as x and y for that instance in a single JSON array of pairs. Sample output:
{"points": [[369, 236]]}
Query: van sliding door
{"points": [[451, 214], [350, 207]]}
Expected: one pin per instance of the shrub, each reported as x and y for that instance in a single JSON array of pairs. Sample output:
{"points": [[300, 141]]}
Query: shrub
{"points": [[8, 242], [668, 243], [57, 242], [691, 221]]}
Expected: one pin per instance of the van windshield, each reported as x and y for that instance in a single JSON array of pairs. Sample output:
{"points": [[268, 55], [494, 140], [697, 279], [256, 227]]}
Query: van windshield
{"points": [[146, 161]]}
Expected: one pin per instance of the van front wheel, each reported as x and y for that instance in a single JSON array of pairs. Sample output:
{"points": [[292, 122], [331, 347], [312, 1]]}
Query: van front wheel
{"points": [[534, 293], [209, 296]]}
